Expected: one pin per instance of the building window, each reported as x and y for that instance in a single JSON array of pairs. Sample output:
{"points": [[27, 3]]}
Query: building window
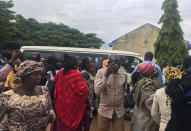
{"points": [[146, 41]]}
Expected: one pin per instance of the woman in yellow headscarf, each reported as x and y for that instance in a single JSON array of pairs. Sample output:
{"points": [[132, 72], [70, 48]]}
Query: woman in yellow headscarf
{"points": [[161, 110], [172, 73]]}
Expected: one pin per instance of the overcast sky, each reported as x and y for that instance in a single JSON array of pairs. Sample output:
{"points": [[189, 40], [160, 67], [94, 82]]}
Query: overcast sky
{"points": [[109, 19]]}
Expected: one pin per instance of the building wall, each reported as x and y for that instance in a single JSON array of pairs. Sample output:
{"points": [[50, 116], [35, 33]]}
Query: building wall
{"points": [[139, 41]]}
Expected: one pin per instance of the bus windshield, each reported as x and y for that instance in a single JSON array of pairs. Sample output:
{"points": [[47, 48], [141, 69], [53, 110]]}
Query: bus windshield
{"points": [[128, 63]]}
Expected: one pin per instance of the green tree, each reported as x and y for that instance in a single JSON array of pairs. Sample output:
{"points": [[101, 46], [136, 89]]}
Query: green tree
{"points": [[17, 31], [7, 28], [170, 42], [31, 32]]}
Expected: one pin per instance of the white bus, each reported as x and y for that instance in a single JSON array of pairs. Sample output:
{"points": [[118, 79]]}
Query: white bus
{"points": [[129, 60]]}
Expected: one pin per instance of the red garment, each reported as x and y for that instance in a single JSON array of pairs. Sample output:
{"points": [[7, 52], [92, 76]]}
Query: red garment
{"points": [[70, 94], [145, 68], [84, 125], [57, 125]]}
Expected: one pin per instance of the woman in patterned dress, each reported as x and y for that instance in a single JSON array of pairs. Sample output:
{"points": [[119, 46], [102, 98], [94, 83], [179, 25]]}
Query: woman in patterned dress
{"points": [[28, 107], [86, 67]]}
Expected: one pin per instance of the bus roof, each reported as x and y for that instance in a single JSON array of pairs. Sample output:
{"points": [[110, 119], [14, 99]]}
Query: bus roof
{"points": [[81, 50]]}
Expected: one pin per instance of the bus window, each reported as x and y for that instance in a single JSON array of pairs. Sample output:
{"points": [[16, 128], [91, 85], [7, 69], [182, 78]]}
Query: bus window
{"points": [[97, 58], [129, 63]]}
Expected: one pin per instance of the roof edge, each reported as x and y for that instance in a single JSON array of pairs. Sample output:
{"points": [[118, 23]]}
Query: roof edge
{"points": [[113, 42]]}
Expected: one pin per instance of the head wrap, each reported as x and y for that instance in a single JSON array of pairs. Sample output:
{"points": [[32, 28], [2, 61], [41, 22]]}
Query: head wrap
{"points": [[172, 73], [26, 68], [145, 68], [174, 89]]}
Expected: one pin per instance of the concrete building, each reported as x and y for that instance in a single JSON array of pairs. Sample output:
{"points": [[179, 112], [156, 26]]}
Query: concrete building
{"points": [[139, 40]]}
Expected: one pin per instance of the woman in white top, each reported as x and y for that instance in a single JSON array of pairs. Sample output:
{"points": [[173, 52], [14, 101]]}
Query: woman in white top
{"points": [[161, 111]]}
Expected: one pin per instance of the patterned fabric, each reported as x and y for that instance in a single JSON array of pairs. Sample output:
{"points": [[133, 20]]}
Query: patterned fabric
{"points": [[111, 91], [71, 92], [25, 113], [159, 72], [90, 83], [141, 121], [145, 68], [5, 71], [26, 68], [86, 121], [143, 89], [172, 73], [141, 118]]}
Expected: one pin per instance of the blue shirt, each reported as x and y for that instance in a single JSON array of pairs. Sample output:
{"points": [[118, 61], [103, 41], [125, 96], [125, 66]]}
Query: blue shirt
{"points": [[159, 74]]}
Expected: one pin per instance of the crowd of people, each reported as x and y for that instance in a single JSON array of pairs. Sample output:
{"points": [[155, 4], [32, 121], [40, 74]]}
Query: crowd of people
{"points": [[66, 93]]}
